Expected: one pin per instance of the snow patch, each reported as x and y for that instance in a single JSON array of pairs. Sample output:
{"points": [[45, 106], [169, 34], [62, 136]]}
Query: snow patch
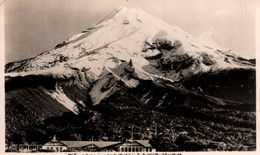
{"points": [[96, 94], [61, 97], [130, 83]]}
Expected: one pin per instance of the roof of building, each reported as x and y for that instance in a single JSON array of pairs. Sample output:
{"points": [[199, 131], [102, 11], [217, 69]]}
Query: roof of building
{"points": [[54, 143], [106, 144], [100, 144], [144, 143]]}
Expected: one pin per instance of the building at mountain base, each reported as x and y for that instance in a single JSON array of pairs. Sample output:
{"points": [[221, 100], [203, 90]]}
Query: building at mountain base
{"points": [[135, 146], [98, 146], [29, 147]]}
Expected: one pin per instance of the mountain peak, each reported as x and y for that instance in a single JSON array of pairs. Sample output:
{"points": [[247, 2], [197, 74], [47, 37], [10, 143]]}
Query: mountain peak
{"points": [[122, 8], [127, 9], [119, 12]]}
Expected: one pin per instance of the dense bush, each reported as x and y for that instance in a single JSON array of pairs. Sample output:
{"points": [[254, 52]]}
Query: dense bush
{"points": [[196, 125]]}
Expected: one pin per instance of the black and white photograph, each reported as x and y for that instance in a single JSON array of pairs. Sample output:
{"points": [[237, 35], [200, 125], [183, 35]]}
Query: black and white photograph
{"points": [[129, 76]]}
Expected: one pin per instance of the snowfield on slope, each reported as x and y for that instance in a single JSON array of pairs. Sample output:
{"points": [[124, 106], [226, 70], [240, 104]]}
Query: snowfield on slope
{"points": [[121, 38], [61, 97]]}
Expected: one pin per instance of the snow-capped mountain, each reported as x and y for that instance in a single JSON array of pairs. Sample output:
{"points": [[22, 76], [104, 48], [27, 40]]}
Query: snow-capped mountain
{"points": [[129, 60], [130, 34], [157, 51]]}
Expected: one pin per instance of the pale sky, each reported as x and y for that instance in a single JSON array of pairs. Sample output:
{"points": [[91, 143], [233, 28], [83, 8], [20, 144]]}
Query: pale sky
{"points": [[34, 26]]}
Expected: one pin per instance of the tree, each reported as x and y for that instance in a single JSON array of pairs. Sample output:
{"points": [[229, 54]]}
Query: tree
{"points": [[163, 144], [18, 137], [130, 62]]}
